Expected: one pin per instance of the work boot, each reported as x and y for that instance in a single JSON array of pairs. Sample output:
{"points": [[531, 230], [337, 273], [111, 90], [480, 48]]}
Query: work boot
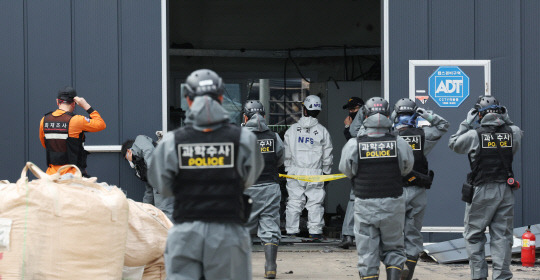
{"points": [[370, 277], [393, 273], [408, 270], [346, 242], [270, 254]]}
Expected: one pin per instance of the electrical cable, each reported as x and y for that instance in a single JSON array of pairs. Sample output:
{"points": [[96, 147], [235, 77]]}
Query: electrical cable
{"points": [[345, 61], [249, 90], [334, 80], [232, 100], [352, 62], [227, 92], [298, 68], [285, 90]]}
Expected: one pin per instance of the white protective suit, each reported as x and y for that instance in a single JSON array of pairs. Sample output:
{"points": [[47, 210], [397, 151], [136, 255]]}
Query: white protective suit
{"points": [[308, 151]]}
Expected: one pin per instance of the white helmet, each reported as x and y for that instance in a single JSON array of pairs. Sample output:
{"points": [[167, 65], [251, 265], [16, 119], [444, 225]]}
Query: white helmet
{"points": [[312, 102]]}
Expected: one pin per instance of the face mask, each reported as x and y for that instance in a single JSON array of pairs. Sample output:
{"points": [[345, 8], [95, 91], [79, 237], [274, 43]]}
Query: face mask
{"points": [[353, 115], [131, 164]]}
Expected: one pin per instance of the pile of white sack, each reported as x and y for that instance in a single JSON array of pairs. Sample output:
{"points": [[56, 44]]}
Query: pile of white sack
{"points": [[70, 227]]}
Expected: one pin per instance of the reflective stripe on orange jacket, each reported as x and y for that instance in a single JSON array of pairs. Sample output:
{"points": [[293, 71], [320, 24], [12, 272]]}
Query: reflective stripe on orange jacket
{"points": [[77, 125]]}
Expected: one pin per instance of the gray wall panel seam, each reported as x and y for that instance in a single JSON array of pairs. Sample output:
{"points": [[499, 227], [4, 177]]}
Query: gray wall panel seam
{"points": [[474, 31], [523, 202], [429, 27], [73, 65], [523, 218], [120, 80], [26, 90]]}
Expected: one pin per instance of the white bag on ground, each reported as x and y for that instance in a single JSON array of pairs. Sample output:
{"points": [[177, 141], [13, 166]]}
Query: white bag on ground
{"points": [[132, 273], [63, 229], [147, 236], [155, 270]]}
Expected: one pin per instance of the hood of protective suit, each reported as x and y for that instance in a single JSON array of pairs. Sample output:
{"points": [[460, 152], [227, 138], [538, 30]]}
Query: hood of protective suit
{"points": [[257, 123], [376, 124], [205, 113], [308, 122], [492, 119]]}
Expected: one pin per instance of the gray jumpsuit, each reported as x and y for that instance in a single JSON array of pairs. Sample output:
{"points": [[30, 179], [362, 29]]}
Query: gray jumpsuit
{"points": [[206, 249], [492, 206], [378, 222]]}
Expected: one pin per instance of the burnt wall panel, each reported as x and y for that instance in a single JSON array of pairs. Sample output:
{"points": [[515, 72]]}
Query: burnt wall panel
{"points": [[48, 64], [12, 138], [408, 32], [530, 71], [139, 76], [95, 75]]}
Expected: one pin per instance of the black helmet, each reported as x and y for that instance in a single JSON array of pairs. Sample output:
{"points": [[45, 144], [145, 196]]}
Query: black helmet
{"points": [[376, 105], [487, 104], [67, 93], [405, 106], [252, 107], [204, 82]]}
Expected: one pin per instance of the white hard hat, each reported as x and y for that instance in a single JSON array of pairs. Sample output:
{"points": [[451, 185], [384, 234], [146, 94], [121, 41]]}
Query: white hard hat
{"points": [[312, 102]]}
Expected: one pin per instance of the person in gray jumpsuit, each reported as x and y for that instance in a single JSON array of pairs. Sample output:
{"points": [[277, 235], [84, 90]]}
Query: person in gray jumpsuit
{"points": [[265, 193], [354, 106], [490, 148], [376, 161], [422, 140], [137, 152], [206, 165]]}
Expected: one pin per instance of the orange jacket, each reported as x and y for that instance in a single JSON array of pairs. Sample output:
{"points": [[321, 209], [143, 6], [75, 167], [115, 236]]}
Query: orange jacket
{"points": [[77, 124]]}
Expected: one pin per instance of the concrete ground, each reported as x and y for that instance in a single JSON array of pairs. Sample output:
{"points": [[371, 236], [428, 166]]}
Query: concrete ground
{"points": [[326, 261]]}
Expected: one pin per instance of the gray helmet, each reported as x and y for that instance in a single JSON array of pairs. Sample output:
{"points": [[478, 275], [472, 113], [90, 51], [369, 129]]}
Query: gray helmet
{"points": [[487, 104], [252, 107], [376, 105], [203, 82], [405, 106]]}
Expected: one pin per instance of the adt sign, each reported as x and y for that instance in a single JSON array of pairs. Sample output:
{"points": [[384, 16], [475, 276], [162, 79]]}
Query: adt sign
{"points": [[448, 86]]}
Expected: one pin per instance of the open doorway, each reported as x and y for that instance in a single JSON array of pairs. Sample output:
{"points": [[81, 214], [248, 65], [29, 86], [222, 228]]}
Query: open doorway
{"points": [[280, 52], [307, 41]]}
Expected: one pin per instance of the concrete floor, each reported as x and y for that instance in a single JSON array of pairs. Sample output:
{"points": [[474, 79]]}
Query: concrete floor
{"points": [[325, 261]]}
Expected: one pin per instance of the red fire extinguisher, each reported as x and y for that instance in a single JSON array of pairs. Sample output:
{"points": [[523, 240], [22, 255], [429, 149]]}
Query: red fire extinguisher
{"points": [[528, 247]]}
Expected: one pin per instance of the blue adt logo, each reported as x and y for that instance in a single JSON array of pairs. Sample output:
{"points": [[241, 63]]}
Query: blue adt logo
{"points": [[448, 86]]}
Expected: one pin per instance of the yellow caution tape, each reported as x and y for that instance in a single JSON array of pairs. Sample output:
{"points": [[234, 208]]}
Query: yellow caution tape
{"points": [[315, 178]]}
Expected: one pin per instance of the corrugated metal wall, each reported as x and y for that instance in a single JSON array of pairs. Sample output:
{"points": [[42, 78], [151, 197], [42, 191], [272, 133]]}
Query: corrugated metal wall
{"points": [[110, 51], [505, 32]]}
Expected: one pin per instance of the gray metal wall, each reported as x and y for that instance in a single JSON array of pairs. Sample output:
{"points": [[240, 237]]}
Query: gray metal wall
{"points": [[505, 32], [110, 51]]}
